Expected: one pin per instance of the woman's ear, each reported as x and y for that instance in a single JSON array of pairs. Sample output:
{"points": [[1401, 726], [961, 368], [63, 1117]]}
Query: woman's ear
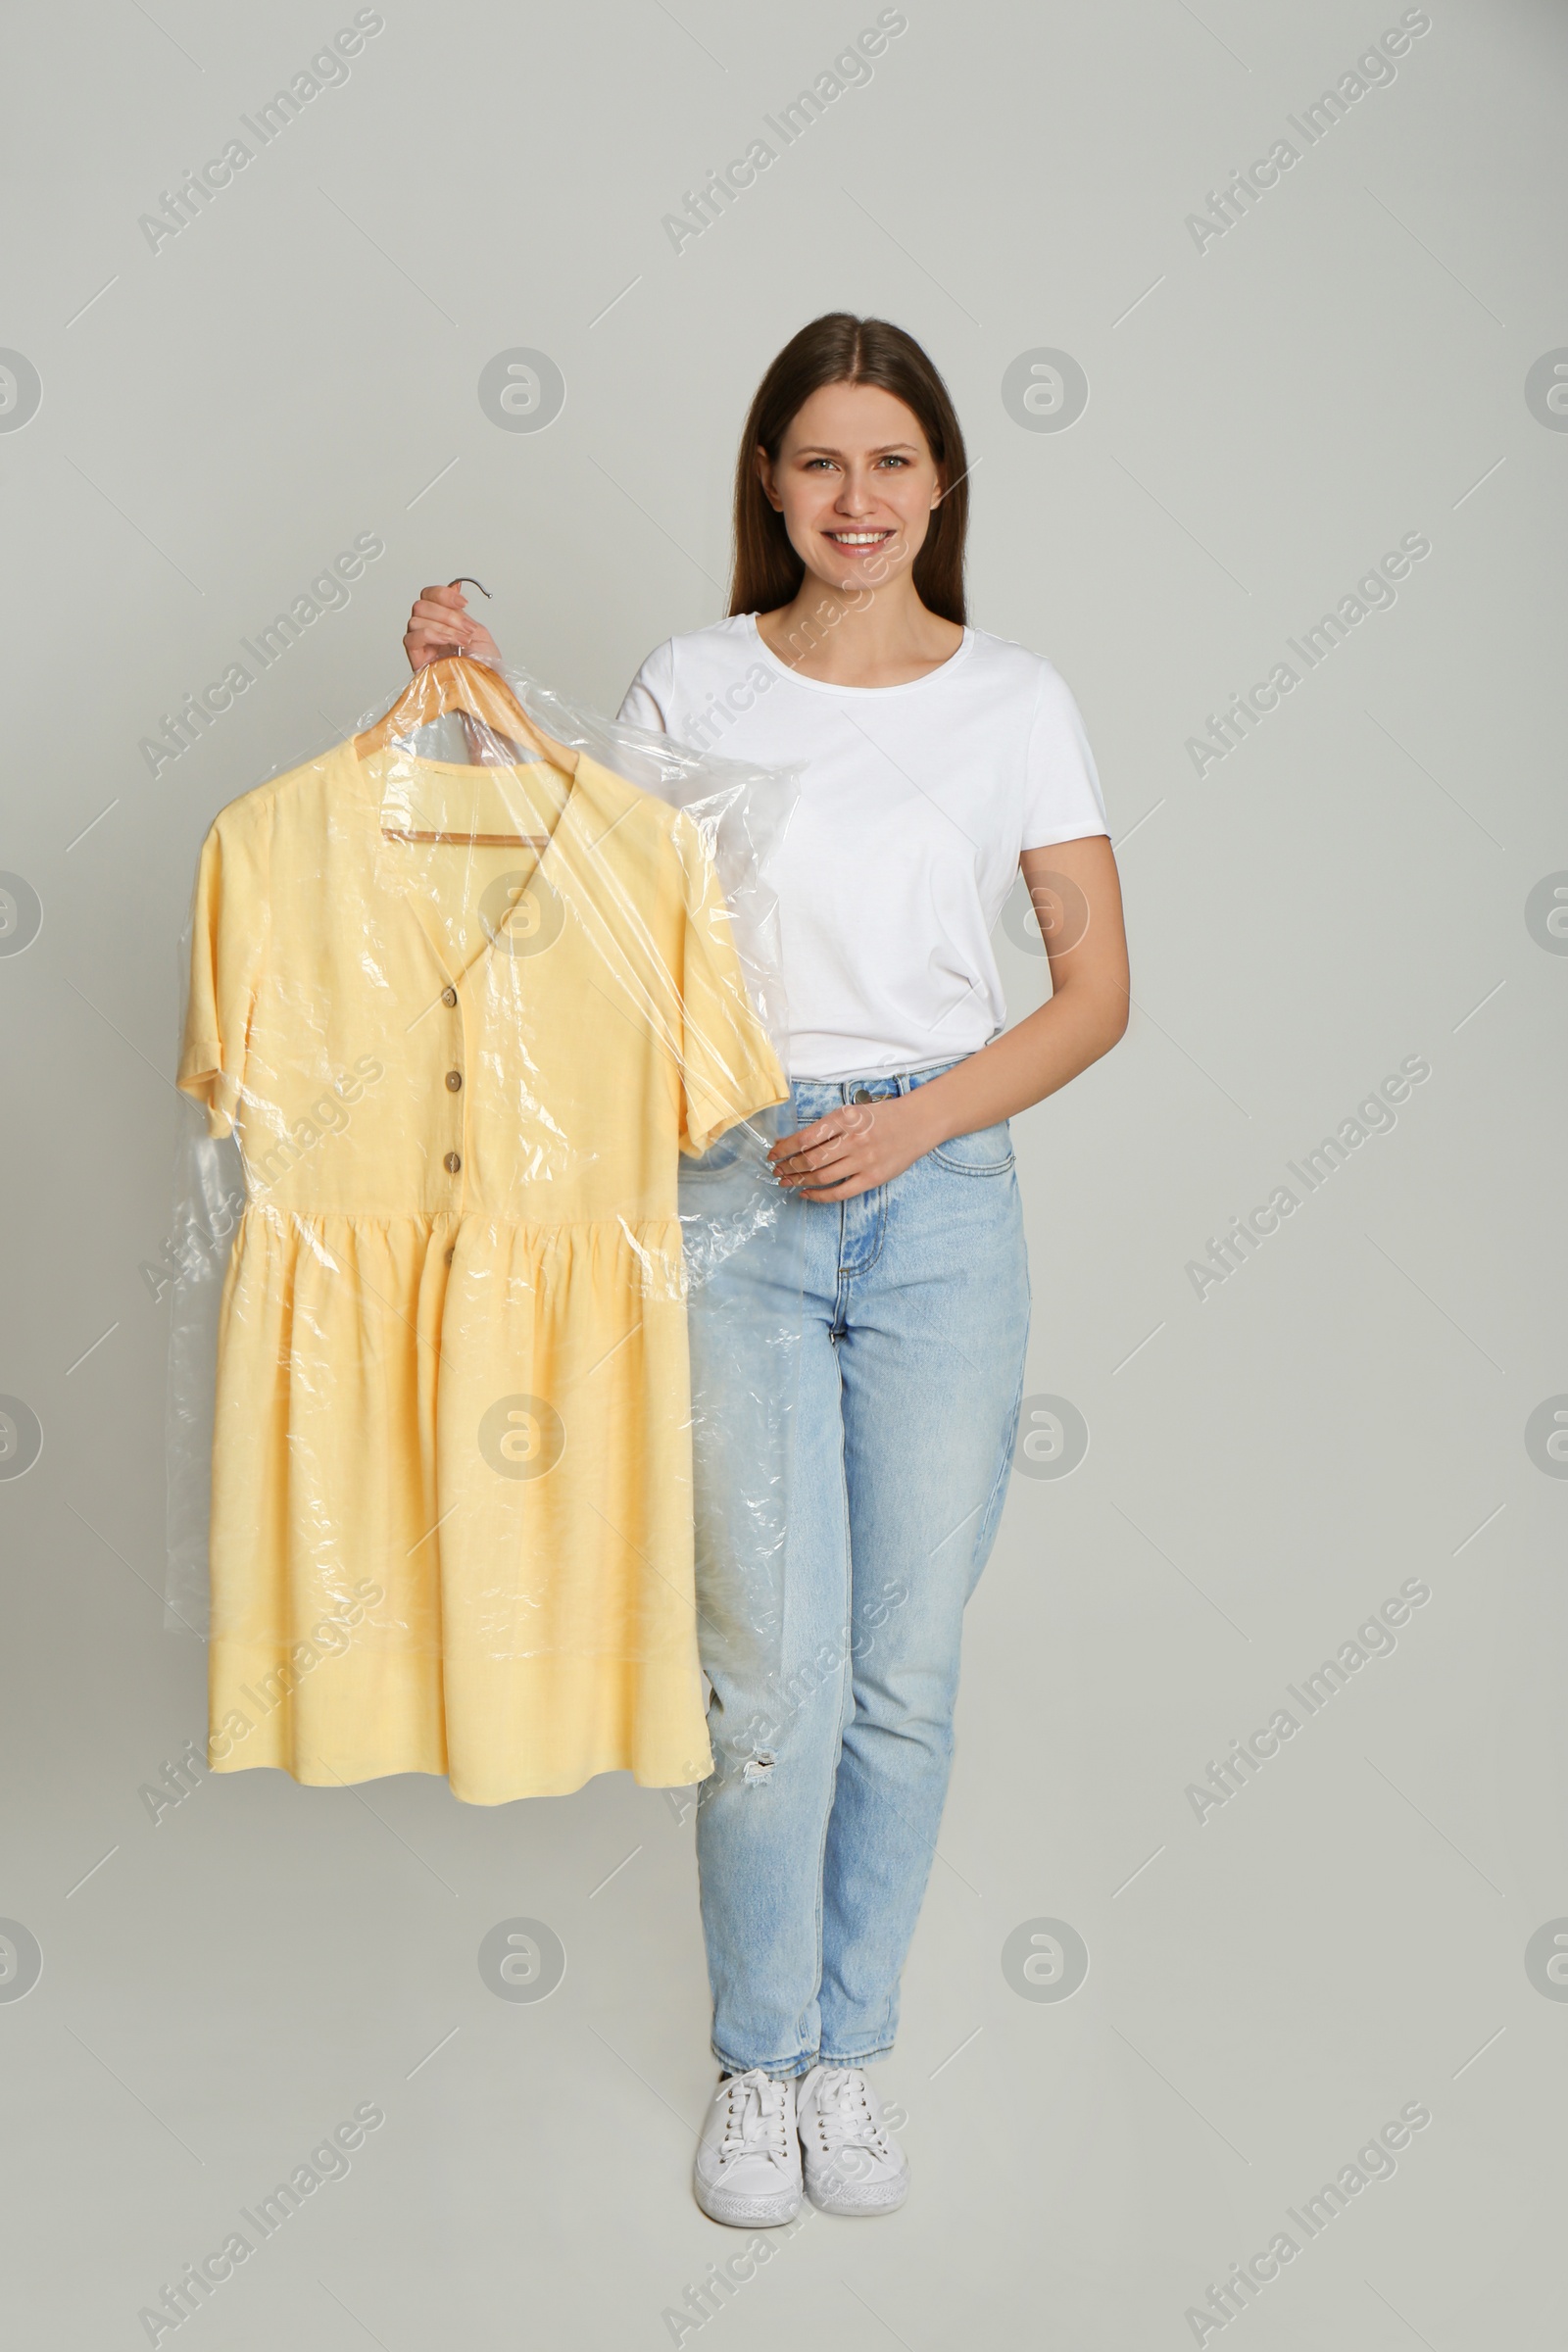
{"points": [[765, 475]]}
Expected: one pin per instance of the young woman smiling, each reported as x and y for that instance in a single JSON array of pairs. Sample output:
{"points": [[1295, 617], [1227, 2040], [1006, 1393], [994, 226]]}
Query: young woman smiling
{"points": [[936, 761]]}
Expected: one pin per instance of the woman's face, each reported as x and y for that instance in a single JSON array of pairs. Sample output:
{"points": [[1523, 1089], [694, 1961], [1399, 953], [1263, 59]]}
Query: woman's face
{"points": [[856, 483]]}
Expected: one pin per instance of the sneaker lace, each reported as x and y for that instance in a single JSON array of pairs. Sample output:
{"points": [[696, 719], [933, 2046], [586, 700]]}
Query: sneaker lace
{"points": [[755, 2117], [843, 2112]]}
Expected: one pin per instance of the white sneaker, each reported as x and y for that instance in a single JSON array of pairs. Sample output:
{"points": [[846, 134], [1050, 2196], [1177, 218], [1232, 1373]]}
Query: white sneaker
{"points": [[853, 2164], [746, 2169]]}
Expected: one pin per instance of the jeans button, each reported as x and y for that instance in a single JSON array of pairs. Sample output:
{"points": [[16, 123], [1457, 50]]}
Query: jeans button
{"points": [[861, 1093]]}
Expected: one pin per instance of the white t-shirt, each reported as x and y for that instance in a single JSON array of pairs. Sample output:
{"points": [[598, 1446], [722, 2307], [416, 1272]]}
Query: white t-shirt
{"points": [[915, 802]]}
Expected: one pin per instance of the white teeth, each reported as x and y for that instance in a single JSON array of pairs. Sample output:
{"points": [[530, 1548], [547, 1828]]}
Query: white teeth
{"points": [[858, 538]]}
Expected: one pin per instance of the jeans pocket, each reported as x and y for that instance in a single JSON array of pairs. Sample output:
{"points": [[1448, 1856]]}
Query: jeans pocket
{"points": [[987, 1151]]}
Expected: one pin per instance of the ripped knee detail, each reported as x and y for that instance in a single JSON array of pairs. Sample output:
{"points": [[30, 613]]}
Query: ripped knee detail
{"points": [[758, 1770]]}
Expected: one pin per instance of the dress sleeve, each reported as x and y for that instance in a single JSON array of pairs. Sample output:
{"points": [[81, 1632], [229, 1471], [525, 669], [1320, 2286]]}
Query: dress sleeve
{"points": [[228, 923], [1062, 798], [728, 1066]]}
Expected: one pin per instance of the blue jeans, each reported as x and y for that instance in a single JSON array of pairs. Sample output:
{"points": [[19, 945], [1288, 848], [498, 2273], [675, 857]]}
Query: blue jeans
{"points": [[816, 1830]]}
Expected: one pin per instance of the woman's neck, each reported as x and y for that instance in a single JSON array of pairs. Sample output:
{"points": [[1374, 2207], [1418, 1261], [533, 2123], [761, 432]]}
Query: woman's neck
{"points": [[863, 636]]}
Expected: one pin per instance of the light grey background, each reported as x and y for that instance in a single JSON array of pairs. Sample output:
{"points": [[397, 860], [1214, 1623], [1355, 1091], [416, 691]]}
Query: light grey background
{"points": [[1265, 1465]]}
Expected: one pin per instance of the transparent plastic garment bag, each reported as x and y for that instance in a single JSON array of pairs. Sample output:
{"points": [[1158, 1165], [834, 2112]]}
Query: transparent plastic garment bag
{"points": [[486, 1304]]}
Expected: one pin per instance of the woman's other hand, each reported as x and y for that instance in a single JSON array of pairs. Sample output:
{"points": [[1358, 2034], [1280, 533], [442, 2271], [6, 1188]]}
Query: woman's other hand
{"points": [[855, 1148]]}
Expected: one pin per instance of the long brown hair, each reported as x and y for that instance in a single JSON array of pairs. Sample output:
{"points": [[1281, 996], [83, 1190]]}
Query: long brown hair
{"points": [[840, 349]]}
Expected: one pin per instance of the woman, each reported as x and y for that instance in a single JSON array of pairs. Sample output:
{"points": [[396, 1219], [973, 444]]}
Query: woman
{"points": [[935, 760]]}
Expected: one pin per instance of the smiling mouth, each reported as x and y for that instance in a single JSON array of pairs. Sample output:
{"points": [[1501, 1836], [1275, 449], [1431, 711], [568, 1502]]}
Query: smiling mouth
{"points": [[855, 541]]}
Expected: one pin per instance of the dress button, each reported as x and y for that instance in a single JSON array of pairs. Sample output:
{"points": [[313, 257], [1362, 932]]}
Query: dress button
{"points": [[449, 995], [453, 1163], [449, 1257], [453, 1081], [861, 1093]]}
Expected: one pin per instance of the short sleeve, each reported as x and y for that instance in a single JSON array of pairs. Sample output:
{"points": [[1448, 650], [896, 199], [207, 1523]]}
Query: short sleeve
{"points": [[228, 924], [728, 1066], [1062, 798], [647, 697]]}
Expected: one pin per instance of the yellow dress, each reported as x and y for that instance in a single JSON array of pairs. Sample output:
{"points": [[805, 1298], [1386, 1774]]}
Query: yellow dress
{"points": [[452, 1516]]}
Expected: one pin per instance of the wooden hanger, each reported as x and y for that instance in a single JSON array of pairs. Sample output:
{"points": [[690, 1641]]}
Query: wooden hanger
{"points": [[493, 718]]}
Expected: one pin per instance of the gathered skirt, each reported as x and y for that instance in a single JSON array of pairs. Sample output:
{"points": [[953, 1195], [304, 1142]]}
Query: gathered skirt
{"points": [[452, 1511]]}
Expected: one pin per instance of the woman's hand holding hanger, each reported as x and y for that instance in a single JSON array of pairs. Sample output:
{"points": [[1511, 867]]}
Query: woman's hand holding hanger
{"points": [[439, 626]]}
